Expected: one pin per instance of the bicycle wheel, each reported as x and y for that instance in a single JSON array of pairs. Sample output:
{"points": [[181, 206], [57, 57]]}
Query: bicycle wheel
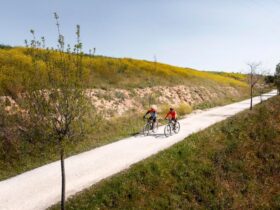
{"points": [[146, 129], [167, 130], [177, 127]]}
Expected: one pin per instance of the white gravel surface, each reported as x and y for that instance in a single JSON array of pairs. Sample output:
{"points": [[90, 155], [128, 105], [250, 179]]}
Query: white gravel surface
{"points": [[40, 188]]}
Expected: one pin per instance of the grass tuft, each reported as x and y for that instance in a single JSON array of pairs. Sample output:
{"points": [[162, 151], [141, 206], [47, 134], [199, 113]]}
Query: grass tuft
{"points": [[183, 109]]}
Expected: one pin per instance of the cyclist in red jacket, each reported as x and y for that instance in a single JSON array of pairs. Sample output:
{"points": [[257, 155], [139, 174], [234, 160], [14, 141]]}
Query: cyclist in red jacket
{"points": [[171, 115]]}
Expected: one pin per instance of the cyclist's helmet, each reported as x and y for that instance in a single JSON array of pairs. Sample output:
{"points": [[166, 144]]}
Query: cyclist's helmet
{"points": [[171, 108], [154, 107]]}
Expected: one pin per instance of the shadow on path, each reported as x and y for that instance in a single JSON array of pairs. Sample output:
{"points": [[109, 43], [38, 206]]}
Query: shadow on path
{"points": [[156, 135]]}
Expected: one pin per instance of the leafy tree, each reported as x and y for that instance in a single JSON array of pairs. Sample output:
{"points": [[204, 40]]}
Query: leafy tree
{"points": [[269, 79]]}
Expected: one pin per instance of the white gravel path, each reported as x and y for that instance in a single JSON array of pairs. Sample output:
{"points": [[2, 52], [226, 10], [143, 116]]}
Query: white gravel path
{"points": [[40, 188]]}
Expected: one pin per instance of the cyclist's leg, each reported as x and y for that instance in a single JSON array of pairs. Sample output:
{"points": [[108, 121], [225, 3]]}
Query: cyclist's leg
{"points": [[151, 121], [170, 121], [154, 122], [173, 123]]}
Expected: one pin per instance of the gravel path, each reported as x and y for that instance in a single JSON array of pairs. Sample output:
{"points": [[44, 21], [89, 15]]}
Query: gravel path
{"points": [[40, 188]]}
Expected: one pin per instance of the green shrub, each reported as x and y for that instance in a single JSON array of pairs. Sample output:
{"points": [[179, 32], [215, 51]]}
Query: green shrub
{"points": [[183, 109], [120, 95]]}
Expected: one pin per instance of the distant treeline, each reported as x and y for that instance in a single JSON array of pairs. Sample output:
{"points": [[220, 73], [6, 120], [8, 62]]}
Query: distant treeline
{"points": [[3, 46]]}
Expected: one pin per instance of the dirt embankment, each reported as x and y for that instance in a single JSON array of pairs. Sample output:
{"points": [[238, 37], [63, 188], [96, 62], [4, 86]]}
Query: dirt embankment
{"points": [[118, 101], [115, 102]]}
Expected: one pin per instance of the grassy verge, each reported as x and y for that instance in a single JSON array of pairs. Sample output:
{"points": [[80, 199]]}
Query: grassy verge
{"points": [[219, 102], [234, 164], [19, 155], [228, 100]]}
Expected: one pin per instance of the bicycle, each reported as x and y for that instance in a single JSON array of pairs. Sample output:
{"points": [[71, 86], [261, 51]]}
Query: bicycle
{"points": [[171, 126], [149, 127]]}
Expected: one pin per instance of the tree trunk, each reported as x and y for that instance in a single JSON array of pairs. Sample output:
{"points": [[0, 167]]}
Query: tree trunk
{"points": [[63, 181], [251, 104]]}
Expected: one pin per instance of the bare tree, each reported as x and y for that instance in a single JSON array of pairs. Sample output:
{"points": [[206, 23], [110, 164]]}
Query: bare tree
{"points": [[253, 78], [57, 107], [262, 82]]}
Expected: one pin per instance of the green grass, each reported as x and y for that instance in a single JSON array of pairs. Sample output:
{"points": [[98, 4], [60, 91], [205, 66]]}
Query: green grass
{"points": [[21, 155], [234, 164], [236, 76], [218, 102]]}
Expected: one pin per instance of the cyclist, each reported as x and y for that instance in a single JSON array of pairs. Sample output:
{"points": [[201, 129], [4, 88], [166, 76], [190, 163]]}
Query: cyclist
{"points": [[153, 115], [171, 115]]}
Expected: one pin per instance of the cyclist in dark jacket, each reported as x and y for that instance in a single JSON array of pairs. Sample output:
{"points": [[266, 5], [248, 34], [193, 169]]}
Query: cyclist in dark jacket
{"points": [[153, 115]]}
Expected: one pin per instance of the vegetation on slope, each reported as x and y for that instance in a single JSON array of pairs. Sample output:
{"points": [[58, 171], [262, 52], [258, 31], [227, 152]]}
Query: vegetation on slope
{"points": [[236, 76], [21, 153], [16, 65], [234, 164]]}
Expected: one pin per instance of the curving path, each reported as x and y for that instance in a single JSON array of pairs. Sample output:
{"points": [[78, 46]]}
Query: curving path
{"points": [[40, 188]]}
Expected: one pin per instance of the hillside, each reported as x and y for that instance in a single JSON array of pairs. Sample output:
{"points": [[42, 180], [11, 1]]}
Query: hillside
{"points": [[119, 85], [121, 90], [108, 72], [234, 164]]}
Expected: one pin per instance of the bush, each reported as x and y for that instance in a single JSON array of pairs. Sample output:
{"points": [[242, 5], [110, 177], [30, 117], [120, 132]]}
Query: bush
{"points": [[3, 46], [120, 95], [183, 109]]}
